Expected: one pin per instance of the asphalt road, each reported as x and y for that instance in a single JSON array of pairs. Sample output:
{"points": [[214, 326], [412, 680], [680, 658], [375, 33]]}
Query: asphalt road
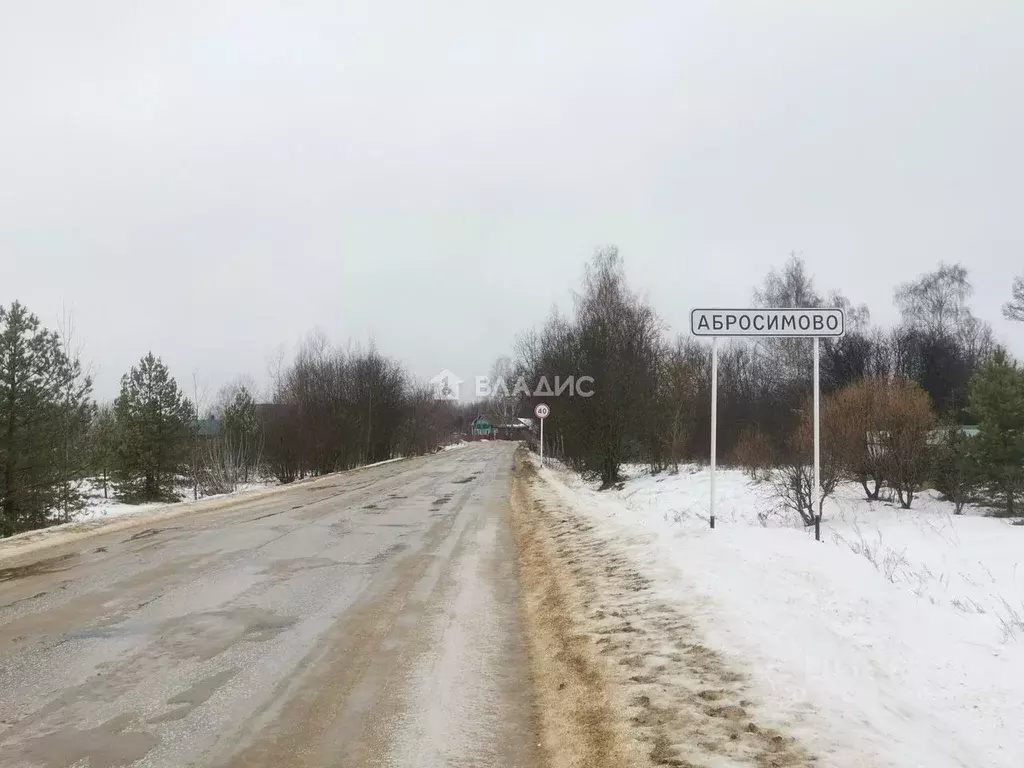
{"points": [[366, 619]]}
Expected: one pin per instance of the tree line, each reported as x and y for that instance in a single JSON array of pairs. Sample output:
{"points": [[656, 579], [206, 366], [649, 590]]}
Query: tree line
{"points": [[336, 408], [330, 409], [894, 400]]}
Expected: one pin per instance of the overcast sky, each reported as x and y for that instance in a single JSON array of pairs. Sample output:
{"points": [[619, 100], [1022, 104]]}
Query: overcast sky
{"points": [[210, 180]]}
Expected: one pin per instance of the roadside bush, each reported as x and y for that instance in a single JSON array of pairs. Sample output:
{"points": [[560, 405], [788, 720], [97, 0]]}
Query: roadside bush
{"points": [[858, 418], [792, 476], [955, 471], [754, 454], [908, 420], [881, 427]]}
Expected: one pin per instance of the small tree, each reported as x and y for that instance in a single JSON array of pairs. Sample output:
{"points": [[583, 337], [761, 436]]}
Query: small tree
{"points": [[792, 479], [858, 421], [997, 402], [154, 424], [44, 406], [955, 467], [1014, 309], [103, 439], [241, 427], [753, 452], [675, 416], [908, 418]]}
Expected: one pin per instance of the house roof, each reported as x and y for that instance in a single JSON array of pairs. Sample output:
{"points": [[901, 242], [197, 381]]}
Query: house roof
{"points": [[208, 427]]}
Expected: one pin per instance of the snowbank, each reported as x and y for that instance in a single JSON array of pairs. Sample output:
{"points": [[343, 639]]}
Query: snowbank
{"points": [[890, 643], [99, 508]]}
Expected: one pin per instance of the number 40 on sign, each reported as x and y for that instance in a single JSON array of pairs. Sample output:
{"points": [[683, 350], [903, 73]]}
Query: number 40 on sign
{"points": [[542, 411]]}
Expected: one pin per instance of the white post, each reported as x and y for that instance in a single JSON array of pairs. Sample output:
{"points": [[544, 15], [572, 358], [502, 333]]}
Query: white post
{"points": [[542, 441], [817, 445], [714, 421]]}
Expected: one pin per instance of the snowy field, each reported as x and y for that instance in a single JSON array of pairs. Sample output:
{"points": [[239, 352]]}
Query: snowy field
{"points": [[98, 508], [896, 641]]}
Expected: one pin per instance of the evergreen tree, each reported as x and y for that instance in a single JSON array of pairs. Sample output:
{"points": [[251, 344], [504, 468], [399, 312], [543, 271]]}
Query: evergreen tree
{"points": [[103, 444], [997, 403], [154, 423], [955, 472], [241, 431], [44, 411]]}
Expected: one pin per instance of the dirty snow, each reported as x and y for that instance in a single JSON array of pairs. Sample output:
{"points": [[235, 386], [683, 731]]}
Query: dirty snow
{"points": [[892, 642]]}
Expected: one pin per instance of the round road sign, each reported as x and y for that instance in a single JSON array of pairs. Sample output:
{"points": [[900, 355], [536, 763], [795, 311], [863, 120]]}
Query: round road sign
{"points": [[542, 411]]}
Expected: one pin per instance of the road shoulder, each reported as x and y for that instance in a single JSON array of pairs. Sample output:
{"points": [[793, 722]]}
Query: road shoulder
{"points": [[624, 678]]}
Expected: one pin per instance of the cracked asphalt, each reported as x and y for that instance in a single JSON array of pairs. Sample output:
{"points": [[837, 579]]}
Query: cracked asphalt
{"points": [[365, 619]]}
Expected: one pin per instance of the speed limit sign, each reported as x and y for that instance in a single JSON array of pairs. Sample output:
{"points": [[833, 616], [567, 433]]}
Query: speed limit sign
{"points": [[542, 411]]}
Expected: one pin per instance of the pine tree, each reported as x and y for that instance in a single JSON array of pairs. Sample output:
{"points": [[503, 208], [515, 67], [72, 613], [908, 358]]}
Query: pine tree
{"points": [[44, 411], [997, 403], [103, 444], [241, 431], [154, 423]]}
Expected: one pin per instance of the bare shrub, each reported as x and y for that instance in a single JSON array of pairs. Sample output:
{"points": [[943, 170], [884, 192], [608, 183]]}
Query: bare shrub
{"points": [[858, 417], [792, 476], [882, 427], [753, 452], [226, 465], [909, 420]]}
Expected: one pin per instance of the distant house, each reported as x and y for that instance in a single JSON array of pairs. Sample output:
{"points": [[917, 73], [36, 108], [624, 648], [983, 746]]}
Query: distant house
{"points": [[937, 436], [208, 428], [515, 430], [481, 429]]}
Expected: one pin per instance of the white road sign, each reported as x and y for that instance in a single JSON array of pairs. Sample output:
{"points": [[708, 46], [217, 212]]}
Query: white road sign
{"points": [[542, 411], [805, 323], [767, 322]]}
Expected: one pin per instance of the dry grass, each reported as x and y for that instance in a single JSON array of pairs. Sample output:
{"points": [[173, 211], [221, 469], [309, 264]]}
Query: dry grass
{"points": [[620, 670], [580, 727]]}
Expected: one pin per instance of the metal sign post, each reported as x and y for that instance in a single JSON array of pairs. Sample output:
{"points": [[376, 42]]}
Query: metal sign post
{"points": [[542, 411], [817, 447], [714, 421], [793, 323]]}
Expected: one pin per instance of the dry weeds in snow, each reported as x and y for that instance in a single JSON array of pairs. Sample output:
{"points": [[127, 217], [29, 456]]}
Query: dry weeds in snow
{"points": [[579, 725], [621, 676]]}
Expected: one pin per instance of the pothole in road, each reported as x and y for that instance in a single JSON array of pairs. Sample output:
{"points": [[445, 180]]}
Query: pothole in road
{"points": [[108, 745], [388, 553], [293, 565], [49, 565], [205, 635]]}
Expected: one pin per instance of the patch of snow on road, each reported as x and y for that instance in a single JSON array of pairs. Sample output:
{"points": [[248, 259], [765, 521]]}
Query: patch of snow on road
{"points": [[890, 643]]}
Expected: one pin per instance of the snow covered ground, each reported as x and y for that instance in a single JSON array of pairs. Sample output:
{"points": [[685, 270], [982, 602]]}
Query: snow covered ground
{"points": [[98, 508], [896, 641]]}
